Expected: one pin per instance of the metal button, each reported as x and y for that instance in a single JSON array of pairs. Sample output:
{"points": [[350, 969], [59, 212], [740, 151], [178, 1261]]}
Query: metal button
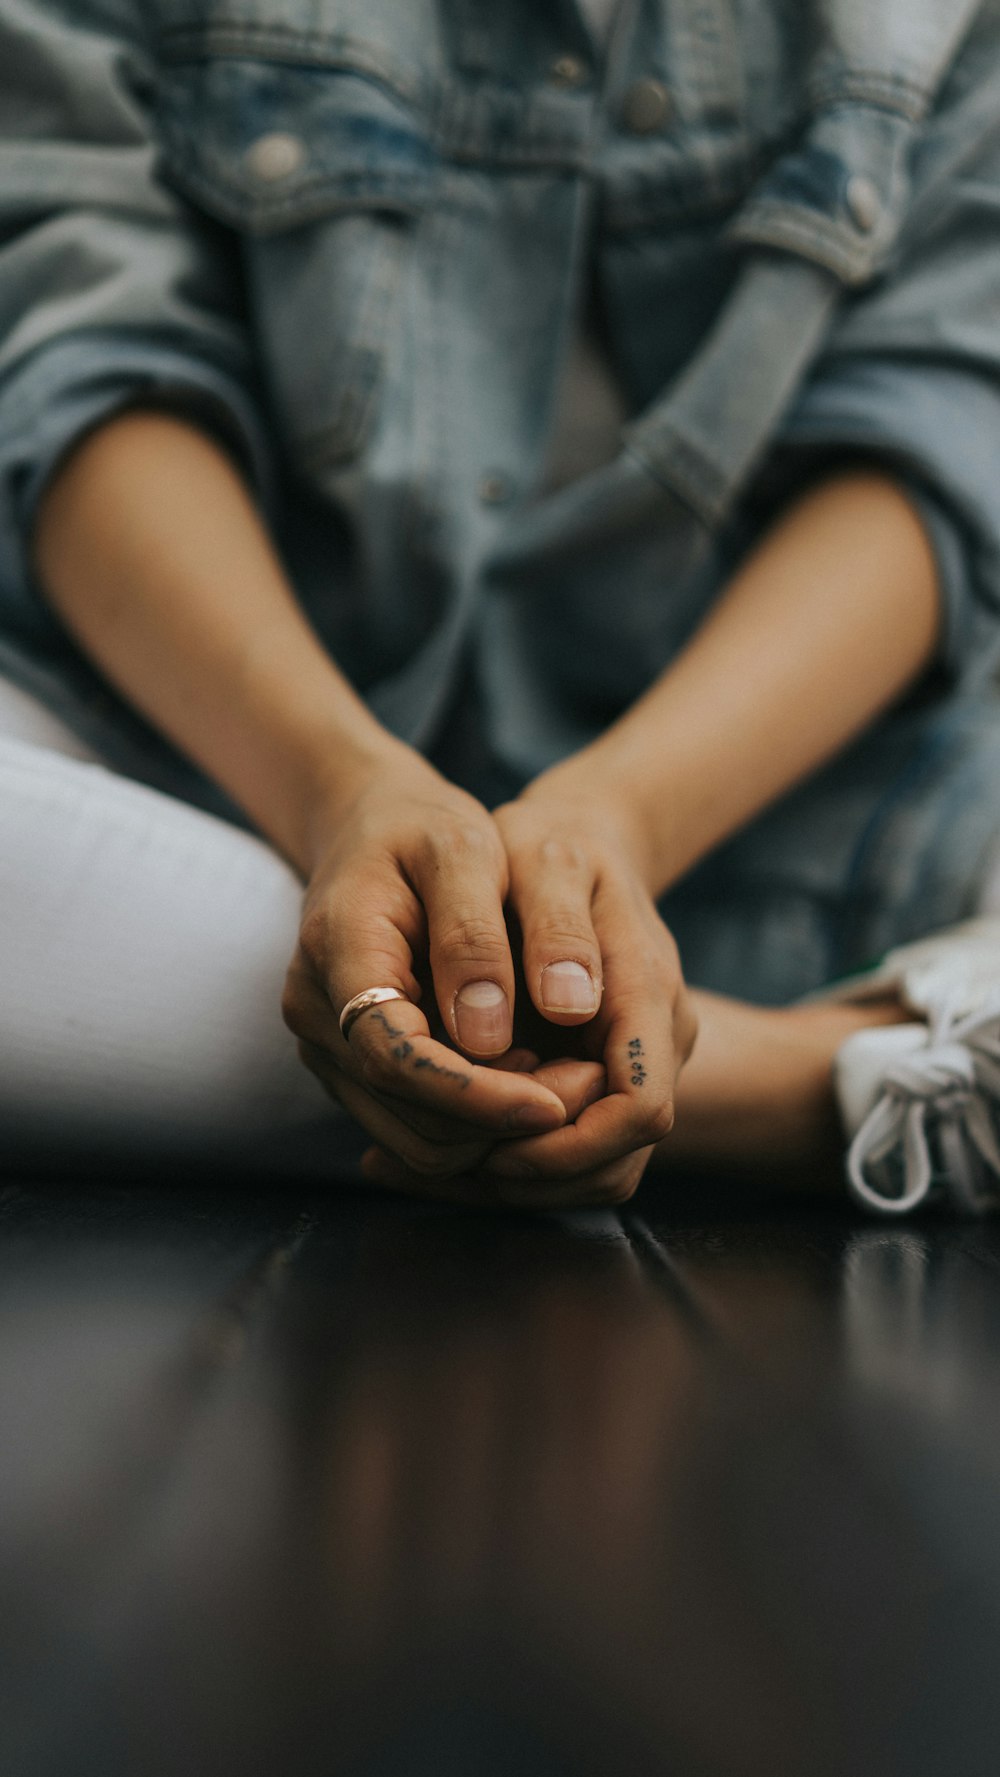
{"points": [[494, 489], [275, 156], [568, 71], [646, 107], [863, 202]]}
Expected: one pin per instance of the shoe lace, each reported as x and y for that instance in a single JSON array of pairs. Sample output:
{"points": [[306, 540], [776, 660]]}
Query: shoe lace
{"points": [[955, 1080]]}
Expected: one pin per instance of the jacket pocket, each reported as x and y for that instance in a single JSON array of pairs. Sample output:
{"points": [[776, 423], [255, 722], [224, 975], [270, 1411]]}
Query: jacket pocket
{"points": [[322, 172]]}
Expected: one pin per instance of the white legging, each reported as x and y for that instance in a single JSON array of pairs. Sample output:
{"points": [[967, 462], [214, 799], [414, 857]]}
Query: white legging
{"points": [[143, 947]]}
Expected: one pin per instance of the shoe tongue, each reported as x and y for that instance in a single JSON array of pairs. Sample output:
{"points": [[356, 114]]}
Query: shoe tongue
{"points": [[956, 984], [954, 971]]}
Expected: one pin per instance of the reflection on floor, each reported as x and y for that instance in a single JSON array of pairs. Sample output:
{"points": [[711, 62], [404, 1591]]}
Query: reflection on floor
{"points": [[305, 1484]]}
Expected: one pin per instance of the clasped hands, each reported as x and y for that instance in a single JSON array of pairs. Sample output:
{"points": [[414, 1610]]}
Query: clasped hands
{"points": [[534, 1058]]}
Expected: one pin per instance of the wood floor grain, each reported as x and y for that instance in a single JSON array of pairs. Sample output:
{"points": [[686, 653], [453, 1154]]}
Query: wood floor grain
{"points": [[305, 1483]]}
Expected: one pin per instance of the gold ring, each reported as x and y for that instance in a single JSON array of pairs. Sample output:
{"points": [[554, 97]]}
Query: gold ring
{"points": [[372, 996]]}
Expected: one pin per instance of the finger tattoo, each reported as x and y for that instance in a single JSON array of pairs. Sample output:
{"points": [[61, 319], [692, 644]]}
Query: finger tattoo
{"points": [[402, 1050], [635, 1055]]}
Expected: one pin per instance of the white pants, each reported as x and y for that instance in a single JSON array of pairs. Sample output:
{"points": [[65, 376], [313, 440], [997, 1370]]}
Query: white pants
{"points": [[143, 947]]}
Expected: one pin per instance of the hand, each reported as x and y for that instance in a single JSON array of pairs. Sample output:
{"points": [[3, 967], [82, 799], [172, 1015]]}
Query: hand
{"points": [[407, 891], [589, 925], [602, 981]]}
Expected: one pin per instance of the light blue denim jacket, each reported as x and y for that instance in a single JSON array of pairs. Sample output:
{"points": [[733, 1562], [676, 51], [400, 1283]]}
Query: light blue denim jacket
{"points": [[353, 237]]}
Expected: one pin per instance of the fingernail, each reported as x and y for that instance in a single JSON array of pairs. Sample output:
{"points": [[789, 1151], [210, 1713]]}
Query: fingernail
{"points": [[568, 987], [482, 1017], [534, 1119]]}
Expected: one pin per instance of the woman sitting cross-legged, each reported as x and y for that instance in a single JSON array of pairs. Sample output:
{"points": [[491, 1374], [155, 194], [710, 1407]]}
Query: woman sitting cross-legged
{"points": [[500, 560]]}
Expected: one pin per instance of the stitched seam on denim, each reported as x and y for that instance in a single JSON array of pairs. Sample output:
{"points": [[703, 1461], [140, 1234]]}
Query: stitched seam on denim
{"points": [[463, 132], [680, 466], [36, 365], [320, 195], [771, 224], [884, 92], [178, 43], [350, 423]]}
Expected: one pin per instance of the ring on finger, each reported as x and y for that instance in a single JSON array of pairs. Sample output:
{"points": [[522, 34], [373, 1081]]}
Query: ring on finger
{"points": [[362, 1002]]}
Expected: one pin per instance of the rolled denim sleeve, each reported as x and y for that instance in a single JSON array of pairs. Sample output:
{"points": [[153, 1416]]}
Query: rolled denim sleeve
{"points": [[910, 375], [113, 291]]}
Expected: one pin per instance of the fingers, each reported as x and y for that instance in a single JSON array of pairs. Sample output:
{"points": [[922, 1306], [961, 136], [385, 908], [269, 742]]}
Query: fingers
{"points": [[392, 1056], [646, 1030], [551, 889], [577, 1083], [420, 1157], [356, 934], [462, 885], [445, 886]]}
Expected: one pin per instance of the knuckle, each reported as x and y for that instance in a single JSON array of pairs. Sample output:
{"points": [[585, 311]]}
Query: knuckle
{"points": [[659, 1121], [465, 842], [621, 1189], [305, 1006], [378, 1069], [314, 935], [472, 940], [566, 933], [474, 839], [292, 1010], [686, 1027], [560, 854]]}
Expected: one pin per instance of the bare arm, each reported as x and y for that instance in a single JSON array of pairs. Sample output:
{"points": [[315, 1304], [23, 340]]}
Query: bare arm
{"points": [[831, 618], [834, 615], [150, 549]]}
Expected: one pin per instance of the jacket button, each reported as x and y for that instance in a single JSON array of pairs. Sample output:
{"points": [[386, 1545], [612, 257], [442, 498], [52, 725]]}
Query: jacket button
{"points": [[275, 156], [568, 71], [863, 203], [646, 107]]}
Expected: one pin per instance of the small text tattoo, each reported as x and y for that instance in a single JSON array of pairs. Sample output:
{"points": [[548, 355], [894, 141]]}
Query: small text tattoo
{"points": [[424, 1062], [635, 1054], [403, 1050]]}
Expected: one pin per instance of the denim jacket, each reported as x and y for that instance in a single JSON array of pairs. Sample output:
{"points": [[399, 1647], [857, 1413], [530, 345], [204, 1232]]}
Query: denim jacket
{"points": [[353, 237]]}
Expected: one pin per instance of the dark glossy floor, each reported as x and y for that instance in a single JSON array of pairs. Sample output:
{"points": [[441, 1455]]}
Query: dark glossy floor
{"points": [[325, 1484]]}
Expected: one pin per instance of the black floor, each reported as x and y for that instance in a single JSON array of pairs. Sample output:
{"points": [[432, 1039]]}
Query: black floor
{"points": [[294, 1484]]}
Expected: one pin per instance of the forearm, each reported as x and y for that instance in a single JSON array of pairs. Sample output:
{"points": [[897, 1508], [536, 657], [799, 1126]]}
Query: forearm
{"points": [[832, 617], [151, 551]]}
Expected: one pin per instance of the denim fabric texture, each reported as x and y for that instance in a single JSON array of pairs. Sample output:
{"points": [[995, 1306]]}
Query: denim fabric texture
{"points": [[353, 238]]}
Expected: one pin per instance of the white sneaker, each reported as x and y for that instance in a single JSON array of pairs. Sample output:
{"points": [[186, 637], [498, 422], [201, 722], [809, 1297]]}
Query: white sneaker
{"points": [[921, 1102]]}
